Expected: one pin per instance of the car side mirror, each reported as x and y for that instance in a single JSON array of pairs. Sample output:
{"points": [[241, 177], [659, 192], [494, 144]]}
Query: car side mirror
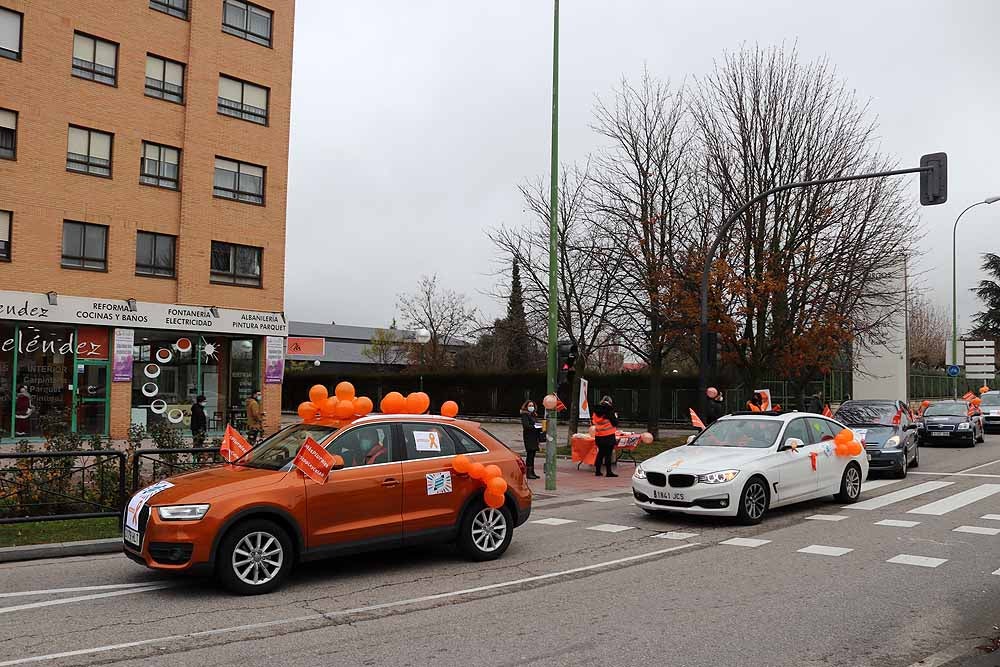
{"points": [[690, 439], [792, 444]]}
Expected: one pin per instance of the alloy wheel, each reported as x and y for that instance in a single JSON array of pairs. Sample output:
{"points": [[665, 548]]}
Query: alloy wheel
{"points": [[257, 558], [852, 481], [756, 500], [489, 529]]}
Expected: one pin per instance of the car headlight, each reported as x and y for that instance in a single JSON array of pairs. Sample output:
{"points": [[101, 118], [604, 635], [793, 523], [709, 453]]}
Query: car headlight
{"points": [[964, 426], [718, 477], [182, 512], [892, 443], [639, 472]]}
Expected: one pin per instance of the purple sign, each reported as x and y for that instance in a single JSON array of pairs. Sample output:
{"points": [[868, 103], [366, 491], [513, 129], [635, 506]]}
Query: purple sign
{"points": [[122, 368], [274, 367]]}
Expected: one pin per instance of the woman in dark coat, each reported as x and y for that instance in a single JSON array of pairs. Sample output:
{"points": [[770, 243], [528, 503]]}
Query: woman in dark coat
{"points": [[605, 421], [529, 415]]}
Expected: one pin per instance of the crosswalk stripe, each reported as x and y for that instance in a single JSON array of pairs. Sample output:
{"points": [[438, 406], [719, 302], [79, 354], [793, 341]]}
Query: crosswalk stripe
{"points": [[997, 573], [977, 530], [745, 542], [553, 521], [896, 496], [958, 500], [826, 517], [919, 561], [820, 550], [895, 523], [991, 517], [871, 485], [675, 535], [610, 528]]}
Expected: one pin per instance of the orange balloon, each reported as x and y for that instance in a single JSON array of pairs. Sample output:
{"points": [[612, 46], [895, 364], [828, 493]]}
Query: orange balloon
{"points": [[344, 409], [647, 438], [925, 404], [328, 408], [393, 403], [461, 463], [977, 401], [854, 448], [307, 410], [318, 394], [983, 389], [497, 485], [344, 391], [477, 471], [844, 436], [493, 500], [842, 448], [492, 471], [449, 409], [417, 403], [362, 405]]}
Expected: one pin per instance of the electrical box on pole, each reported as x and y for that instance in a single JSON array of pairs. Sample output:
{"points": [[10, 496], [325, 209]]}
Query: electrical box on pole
{"points": [[933, 179]]}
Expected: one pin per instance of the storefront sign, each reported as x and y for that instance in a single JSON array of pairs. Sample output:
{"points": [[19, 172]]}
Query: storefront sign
{"points": [[274, 367], [35, 307], [306, 347], [124, 340]]}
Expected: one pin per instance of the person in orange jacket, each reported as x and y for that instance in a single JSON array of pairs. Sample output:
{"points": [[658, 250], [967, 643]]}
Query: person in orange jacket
{"points": [[605, 421]]}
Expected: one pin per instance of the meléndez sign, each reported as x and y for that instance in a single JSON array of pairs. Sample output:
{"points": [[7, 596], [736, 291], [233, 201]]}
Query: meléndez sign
{"points": [[35, 307]]}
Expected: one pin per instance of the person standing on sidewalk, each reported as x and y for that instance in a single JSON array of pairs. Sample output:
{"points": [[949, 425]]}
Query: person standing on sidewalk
{"points": [[255, 418], [529, 428], [716, 406], [605, 421], [199, 422]]}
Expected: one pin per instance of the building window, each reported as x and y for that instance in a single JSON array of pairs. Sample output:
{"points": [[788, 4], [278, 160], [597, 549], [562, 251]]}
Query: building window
{"points": [[235, 264], [160, 166], [10, 33], [154, 254], [6, 217], [247, 21], [84, 246], [95, 59], [8, 134], [240, 99], [89, 151], [178, 8], [239, 181], [164, 79]]}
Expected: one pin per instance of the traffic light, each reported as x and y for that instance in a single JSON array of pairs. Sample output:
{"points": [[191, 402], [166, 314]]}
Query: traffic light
{"points": [[566, 364], [934, 179]]}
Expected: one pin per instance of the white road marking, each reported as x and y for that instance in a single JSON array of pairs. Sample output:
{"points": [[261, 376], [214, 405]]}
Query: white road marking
{"points": [[896, 496], [954, 474], [991, 517], [919, 561], [347, 612], [553, 521], [997, 573], [878, 484], [895, 523], [821, 550], [745, 542], [601, 499], [944, 657], [826, 517], [958, 500], [977, 530], [675, 535], [610, 528], [76, 589], [981, 465], [83, 598]]}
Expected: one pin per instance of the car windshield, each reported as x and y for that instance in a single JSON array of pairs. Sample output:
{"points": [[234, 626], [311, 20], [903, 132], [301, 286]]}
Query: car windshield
{"points": [[990, 400], [947, 409], [866, 413], [275, 452], [758, 433]]}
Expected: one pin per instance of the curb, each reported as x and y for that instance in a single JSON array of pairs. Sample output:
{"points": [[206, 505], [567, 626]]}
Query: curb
{"points": [[60, 550]]}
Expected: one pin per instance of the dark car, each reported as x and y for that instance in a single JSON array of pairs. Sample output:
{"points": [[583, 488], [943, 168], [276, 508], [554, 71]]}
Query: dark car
{"points": [[991, 411], [887, 431], [950, 422]]}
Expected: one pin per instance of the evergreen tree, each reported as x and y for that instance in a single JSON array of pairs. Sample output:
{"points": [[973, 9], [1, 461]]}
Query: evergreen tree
{"points": [[986, 323], [521, 353]]}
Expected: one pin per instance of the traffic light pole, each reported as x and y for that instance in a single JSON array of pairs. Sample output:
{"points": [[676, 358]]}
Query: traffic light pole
{"points": [[553, 432]]}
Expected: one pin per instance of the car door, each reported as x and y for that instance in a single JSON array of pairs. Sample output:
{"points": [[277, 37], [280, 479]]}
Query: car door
{"points": [[794, 471], [363, 502], [829, 467], [433, 494]]}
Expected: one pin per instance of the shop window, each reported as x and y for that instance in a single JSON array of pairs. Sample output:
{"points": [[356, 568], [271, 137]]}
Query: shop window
{"points": [[95, 59], [6, 379], [248, 21], [44, 377], [6, 218]]}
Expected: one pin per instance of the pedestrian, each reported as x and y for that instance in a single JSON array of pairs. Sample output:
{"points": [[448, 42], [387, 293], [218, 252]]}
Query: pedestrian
{"points": [[199, 422], [605, 421], [756, 402], [255, 417], [815, 403], [716, 406], [23, 409], [529, 432]]}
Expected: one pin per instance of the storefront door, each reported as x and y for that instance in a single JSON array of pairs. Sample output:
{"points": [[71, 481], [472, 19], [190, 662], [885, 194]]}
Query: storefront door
{"points": [[91, 397]]}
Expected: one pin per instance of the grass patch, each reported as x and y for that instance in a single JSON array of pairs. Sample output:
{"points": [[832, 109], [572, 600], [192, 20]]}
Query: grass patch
{"points": [[643, 452], [47, 532]]}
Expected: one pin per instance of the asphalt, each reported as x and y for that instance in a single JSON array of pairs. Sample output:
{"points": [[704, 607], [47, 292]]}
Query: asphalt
{"points": [[567, 594]]}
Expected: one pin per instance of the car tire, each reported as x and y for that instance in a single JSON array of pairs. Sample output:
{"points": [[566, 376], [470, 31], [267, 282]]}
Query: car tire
{"points": [[850, 484], [258, 540], [485, 532], [754, 501], [901, 473]]}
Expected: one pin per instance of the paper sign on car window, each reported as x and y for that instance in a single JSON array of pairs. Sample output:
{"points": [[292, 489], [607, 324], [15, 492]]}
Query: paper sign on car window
{"points": [[139, 500], [427, 441]]}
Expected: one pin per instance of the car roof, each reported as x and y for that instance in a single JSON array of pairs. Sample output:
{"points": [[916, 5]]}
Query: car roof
{"points": [[376, 418], [766, 416], [871, 401]]}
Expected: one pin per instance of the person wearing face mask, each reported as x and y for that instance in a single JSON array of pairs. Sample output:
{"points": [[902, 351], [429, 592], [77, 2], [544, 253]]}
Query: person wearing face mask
{"points": [[529, 420], [255, 418]]}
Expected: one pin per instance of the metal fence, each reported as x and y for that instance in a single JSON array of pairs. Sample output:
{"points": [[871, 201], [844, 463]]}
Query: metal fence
{"points": [[150, 465]]}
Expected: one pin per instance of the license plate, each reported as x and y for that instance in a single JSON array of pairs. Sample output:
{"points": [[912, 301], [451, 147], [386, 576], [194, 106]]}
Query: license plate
{"points": [[131, 536], [668, 495], [940, 434]]}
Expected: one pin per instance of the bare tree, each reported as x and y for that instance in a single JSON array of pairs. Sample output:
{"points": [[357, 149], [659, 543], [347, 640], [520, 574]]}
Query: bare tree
{"points": [[386, 348], [446, 314], [928, 333]]}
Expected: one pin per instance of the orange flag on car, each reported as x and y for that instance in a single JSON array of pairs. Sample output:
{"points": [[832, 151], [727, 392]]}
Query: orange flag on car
{"points": [[696, 420], [314, 461], [969, 396], [827, 412], [234, 445]]}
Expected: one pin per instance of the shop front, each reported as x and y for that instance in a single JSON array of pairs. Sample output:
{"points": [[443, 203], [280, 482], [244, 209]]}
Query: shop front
{"points": [[98, 366]]}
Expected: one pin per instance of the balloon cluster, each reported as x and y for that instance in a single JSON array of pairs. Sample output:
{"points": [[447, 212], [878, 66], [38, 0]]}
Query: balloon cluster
{"points": [[490, 475], [846, 444], [342, 405], [984, 389]]}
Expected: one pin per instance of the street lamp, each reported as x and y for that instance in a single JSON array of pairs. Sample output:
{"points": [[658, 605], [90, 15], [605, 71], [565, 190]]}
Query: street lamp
{"points": [[954, 282], [422, 336]]}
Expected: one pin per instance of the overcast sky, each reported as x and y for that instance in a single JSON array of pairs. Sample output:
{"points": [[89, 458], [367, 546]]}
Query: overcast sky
{"points": [[414, 122]]}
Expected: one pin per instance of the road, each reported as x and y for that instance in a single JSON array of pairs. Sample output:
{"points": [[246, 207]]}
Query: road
{"points": [[589, 581]]}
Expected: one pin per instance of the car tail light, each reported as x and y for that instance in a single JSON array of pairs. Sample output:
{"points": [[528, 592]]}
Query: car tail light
{"points": [[520, 464]]}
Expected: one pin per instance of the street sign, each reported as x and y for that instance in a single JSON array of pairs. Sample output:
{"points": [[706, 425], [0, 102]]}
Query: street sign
{"points": [[980, 358], [953, 371], [961, 353]]}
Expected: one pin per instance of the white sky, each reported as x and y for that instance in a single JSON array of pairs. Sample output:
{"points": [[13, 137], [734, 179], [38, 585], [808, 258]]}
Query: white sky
{"points": [[414, 122]]}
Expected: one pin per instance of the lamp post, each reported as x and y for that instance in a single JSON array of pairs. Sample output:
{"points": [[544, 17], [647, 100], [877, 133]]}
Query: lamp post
{"points": [[551, 414], [954, 282], [422, 336]]}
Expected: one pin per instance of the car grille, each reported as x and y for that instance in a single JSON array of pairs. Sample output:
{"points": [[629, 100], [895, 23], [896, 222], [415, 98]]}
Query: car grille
{"points": [[940, 427], [682, 481], [656, 478], [171, 553]]}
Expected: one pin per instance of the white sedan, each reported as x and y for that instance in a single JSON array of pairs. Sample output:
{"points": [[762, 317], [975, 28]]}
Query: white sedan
{"points": [[744, 464]]}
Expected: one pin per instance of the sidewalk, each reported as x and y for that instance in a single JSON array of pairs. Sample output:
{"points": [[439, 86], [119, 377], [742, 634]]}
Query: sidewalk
{"points": [[571, 483]]}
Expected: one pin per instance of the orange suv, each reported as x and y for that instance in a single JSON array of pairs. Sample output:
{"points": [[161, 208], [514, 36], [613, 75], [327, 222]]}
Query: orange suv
{"points": [[250, 521]]}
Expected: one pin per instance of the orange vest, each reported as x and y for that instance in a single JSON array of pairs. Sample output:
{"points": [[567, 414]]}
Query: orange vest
{"points": [[753, 408], [602, 426]]}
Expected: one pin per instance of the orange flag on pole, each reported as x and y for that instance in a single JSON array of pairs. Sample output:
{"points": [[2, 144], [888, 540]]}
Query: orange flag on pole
{"points": [[695, 420], [827, 412], [969, 396], [234, 445]]}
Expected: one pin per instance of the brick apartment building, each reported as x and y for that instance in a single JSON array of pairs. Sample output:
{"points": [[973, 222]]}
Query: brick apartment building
{"points": [[143, 171]]}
